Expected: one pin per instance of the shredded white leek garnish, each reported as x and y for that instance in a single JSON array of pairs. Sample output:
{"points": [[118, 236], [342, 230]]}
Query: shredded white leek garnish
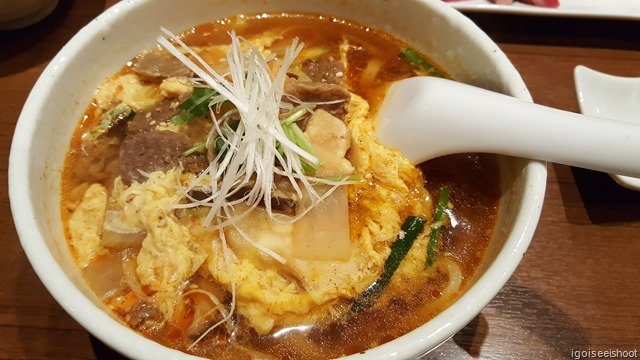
{"points": [[254, 152], [259, 148], [252, 155]]}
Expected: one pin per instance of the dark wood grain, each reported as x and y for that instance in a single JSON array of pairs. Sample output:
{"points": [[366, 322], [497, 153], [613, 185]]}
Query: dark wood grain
{"points": [[576, 288]]}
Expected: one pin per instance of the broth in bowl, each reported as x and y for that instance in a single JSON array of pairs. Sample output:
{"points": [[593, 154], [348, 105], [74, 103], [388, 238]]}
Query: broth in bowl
{"points": [[224, 194]]}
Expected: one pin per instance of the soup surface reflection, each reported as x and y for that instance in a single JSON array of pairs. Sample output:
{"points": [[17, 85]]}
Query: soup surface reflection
{"points": [[254, 214]]}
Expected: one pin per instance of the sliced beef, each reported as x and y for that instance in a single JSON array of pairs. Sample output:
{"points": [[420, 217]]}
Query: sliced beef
{"points": [[325, 70], [157, 151], [156, 66], [283, 198], [320, 92], [145, 121], [280, 203]]}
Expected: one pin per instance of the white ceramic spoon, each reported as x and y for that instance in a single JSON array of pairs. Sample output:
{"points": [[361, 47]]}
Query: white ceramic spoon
{"points": [[611, 97], [427, 117]]}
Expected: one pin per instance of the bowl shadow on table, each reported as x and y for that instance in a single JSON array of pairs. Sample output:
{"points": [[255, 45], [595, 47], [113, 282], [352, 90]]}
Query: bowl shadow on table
{"points": [[103, 352], [596, 195], [515, 305], [48, 35]]}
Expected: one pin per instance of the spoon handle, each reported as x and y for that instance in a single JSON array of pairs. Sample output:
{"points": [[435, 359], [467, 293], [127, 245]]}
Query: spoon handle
{"points": [[428, 117]]}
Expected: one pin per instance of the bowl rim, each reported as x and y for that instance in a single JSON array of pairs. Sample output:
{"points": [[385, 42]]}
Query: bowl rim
{"points": [[115, 335]]}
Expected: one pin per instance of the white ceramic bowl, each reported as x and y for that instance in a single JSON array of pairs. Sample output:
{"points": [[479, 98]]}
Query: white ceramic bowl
{"points": [[99, 50]]}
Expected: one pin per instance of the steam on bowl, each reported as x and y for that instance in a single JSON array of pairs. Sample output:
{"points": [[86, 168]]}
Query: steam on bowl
{"points": [[100, 49]]}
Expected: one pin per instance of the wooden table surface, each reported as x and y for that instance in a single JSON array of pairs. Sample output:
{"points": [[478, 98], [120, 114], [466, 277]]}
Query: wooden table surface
{"points": [[577, 288]]}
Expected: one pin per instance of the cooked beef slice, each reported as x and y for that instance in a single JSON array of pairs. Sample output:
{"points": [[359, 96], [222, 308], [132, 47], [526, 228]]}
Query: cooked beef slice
{"points": [[145, 121], [283, 198], [156, 66], [324, 70], [279, 204], [157, 151], [313, 91]]}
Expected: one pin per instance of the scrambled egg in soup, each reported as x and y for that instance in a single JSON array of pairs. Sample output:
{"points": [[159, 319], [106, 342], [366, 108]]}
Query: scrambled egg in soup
{"points": [[267, 296]]}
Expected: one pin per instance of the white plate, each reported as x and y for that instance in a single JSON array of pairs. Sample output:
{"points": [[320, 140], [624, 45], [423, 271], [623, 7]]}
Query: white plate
{"points": [[611, 97], [616, 9]]}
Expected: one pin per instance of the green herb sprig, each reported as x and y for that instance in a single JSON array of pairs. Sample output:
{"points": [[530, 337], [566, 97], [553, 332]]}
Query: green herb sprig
{"points": [[415, 60], [411, 228], [438, 217], [196, 105]]}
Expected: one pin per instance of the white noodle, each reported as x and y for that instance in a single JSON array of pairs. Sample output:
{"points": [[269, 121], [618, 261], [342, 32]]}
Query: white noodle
{"points": [[226, 317], [455, 278]]}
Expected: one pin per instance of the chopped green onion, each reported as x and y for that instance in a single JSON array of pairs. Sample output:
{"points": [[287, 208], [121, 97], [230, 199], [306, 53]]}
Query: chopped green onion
{"points": [[414, 59], [218, 144], [308, 168], [411, 228], [280, 149], [300, 139], [437, 224], [197, 105], [352, 177], [297, 136], [194, 149], [182, 117], [294, 117]]}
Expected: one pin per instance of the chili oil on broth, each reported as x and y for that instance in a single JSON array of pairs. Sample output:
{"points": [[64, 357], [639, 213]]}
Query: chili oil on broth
{"points": [[409, 301]]}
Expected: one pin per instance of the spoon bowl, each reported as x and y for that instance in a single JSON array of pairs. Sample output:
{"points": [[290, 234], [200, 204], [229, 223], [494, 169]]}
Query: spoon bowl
{"points": [[428, 117], [611, 97]]}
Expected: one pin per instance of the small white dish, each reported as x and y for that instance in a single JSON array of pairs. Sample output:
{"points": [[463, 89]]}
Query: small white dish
{"points": [[609, 9], [19, 14], [610, 97]]}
